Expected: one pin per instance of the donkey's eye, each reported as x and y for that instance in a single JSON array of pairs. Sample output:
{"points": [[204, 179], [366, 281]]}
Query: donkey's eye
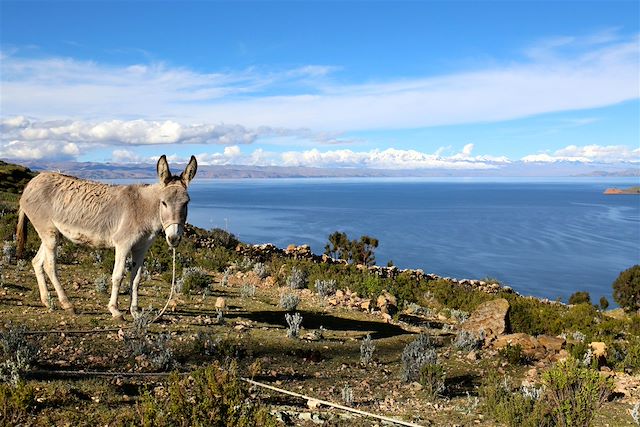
{"points": [[164, 204]]}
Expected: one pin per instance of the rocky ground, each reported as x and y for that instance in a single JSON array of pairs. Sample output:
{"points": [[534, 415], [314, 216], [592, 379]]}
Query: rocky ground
{"points": [[324, 362]]}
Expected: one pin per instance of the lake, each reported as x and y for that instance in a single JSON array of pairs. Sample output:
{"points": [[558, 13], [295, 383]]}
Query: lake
{"points": [[547, 238]]}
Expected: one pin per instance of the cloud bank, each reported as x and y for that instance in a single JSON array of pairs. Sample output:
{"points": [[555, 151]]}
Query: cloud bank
{"points": [[567, 75]]}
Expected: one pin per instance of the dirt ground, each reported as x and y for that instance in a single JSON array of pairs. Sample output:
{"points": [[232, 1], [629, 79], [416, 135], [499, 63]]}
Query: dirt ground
{"points": [[94, 376]]}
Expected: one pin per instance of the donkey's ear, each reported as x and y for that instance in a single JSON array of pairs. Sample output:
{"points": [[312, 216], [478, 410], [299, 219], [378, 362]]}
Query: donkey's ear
{"points": [[164, 174], [189, 171]]}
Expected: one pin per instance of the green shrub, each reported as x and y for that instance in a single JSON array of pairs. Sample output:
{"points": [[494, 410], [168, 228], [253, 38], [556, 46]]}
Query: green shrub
{"points": [[512, 354], [194, 279], [16, 403], [626, 289], [216, 259], [222, 238], [432, 377], [632, 355], [515, 408], [604, 303], [574, 393], [212, 396], [580, 297]]}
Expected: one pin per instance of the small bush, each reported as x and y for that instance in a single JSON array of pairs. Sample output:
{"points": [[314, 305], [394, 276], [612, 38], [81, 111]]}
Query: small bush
{"points": [[367, 347], [194, 279], [248, 291], [260, 270], [298, 279], [432, 377], [574, 393], [347, 395], [632, 355], [17, 402], [9, 251], [459, 315], [604, 303], [222, 238], [295, 322], [415, 355], [101, 284], [18, 353], [580, 297], [512, 354], [468, 341], [289, 301], [212, 396], [515, 408], [326, 288], [626, 289]]}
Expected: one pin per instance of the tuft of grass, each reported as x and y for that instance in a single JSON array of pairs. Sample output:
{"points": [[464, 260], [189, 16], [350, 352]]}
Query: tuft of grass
{"points": [[298, 279], [17, 354], [417, 354]]}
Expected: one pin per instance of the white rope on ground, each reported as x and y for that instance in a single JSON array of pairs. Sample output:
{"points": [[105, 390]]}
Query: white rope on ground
{"points": [[334, 405], [173, 285]]}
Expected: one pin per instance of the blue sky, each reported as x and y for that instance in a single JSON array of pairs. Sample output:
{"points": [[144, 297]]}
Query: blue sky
{"points": [[339, 84]]}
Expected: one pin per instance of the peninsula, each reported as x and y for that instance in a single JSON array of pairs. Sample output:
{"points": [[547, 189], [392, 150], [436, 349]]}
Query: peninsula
{"points": [[630, 190]]}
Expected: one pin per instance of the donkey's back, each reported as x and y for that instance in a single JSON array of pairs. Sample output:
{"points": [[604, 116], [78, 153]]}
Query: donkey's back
{"points": [[85, 212]]}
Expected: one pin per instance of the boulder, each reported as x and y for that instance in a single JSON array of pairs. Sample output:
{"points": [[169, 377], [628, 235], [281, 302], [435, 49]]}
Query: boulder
{"points": [[551, 343], [490, 317], [387, 303], [528, 343]]}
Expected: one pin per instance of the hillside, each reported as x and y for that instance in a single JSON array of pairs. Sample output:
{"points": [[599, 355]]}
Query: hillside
{"points": [[13, 178]]}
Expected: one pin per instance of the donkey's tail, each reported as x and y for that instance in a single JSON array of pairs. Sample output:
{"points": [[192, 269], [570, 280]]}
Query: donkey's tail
{"points": [[21, 233]]}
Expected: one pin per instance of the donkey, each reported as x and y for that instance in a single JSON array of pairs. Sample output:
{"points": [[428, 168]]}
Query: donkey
{"points": [[125, 217]]}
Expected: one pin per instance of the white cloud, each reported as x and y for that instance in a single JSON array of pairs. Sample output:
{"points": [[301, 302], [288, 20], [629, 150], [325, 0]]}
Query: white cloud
{"points": [[588, 154], [559, 75], [375, 159], [48, 150]]}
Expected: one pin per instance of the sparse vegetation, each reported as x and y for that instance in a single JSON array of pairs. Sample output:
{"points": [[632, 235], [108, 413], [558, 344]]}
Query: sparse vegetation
{"points": [[193, 334], [17, 354]]}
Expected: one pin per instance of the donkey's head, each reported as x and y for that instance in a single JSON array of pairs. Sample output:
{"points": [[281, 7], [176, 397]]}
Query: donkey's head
{"points": [[174, 198]]}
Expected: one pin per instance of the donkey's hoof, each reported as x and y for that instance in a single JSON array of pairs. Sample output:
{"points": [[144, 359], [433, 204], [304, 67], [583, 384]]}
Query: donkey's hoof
{"points": [[70, 310]]}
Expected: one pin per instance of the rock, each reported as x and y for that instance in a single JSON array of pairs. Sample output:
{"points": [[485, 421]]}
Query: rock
{"points": [[221, 303], [366, 305], [473, 356], [599, 349], [339, 294], [387, 303], [527, 342], [490, 317], [386, 317], [551, 343]]}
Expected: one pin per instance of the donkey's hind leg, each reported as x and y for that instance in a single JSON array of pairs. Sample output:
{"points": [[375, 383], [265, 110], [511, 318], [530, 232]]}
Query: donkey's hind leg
{"points": [[49, 243], [38, 267]]}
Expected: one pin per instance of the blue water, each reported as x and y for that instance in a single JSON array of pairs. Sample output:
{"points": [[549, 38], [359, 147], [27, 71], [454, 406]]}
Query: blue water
{"points": [[543, 238]]}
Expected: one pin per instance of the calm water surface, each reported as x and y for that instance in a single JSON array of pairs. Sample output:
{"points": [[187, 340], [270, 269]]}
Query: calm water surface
{"points": [[544, 238]]}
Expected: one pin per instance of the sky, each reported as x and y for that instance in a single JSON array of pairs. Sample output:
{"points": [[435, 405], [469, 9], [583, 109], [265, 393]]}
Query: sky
{"points": [[369, 84]]}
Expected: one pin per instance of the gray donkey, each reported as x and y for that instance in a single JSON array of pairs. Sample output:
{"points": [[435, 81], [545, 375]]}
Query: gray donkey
{"points": [[125, 217]]}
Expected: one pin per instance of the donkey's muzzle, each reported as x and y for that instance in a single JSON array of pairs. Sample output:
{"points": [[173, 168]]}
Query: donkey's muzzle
{"points": [[173, 234]]}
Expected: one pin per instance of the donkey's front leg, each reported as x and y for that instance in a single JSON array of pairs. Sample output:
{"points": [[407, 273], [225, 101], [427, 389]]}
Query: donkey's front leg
{"points": [[137, 258], [116, 279]]}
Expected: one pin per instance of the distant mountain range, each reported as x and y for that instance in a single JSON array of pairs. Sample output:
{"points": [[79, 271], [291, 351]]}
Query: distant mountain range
{"points": [[95, 170]]}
